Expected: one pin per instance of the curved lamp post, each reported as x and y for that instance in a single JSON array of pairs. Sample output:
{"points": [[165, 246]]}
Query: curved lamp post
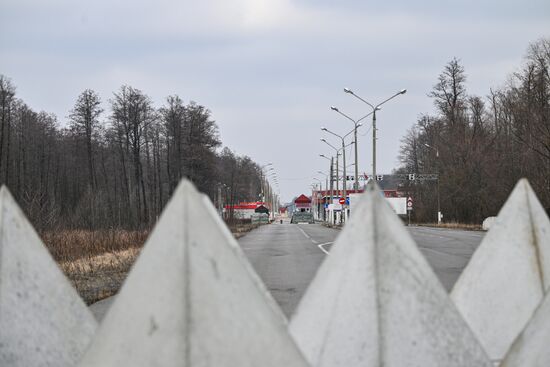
{"points": [[356, 124], [374, 109], [342, 138]]}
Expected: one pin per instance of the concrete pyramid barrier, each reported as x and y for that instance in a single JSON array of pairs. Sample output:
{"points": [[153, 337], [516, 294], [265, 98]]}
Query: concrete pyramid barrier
{"points": [[43, 321], [532, 347], [508, 275], [192, 299], [375, 301]]}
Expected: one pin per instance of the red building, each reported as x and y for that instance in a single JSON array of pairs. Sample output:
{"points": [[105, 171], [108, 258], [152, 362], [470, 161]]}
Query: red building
{"points": [[302, 204], [244, 210]]}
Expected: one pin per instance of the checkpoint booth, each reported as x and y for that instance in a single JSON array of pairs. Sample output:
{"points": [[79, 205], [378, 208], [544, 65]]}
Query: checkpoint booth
{"points": [[302, 204]]}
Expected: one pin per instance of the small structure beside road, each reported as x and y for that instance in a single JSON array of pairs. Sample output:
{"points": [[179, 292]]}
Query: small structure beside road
{"points": [[302, 210], [245, 210]]}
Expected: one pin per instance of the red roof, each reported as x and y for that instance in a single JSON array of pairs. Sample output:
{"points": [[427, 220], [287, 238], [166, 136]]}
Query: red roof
{"points": [[249, 205], [302, 199]]}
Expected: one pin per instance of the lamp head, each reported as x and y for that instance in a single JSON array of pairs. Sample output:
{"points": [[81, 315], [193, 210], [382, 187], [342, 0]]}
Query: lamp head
{"points": [[347, 90], [402, 91], [324, 128], [323, 140], [334, 108]]}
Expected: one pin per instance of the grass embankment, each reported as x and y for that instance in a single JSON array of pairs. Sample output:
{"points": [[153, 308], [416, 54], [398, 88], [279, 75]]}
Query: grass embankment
{"points": [[97, 262]]}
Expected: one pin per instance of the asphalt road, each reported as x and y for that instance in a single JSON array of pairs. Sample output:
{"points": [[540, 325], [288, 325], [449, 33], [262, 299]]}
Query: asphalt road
{"points": [[286, 256]]}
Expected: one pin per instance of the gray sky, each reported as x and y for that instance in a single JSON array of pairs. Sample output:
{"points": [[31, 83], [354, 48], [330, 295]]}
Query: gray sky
{"points": [[268, 69]]}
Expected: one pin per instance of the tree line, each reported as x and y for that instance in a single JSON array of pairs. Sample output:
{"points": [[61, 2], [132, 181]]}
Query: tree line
{"points": [[114, 165], [481, 146]]}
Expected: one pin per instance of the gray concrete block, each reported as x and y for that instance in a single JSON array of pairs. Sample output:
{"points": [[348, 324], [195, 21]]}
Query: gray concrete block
{"points": [[43, 321], [509, 273], [192, 299], [531, 347], [375, 301]]}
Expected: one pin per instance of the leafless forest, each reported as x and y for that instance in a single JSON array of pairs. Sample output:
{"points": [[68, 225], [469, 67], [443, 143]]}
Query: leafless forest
{"points": [[115, 163], [485, 144]]}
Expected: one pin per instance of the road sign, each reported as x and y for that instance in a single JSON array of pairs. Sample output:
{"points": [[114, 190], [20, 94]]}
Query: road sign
{"points": [[342, 201], [409, 203]]}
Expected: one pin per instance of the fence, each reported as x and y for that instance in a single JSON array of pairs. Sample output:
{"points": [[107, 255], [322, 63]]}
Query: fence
{"points": [[192, 299]]}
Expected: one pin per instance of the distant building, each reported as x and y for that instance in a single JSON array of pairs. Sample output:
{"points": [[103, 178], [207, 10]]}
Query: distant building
{"points": [[245, 210], [261, 209], [302, 204]]}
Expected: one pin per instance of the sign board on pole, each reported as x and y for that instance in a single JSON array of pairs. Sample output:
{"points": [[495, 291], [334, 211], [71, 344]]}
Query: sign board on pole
{"points": [[399, 205], [342, 201], [409, 203]]}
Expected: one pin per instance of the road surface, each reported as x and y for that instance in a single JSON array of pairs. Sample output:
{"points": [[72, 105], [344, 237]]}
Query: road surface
{"points": [[286, 256]]}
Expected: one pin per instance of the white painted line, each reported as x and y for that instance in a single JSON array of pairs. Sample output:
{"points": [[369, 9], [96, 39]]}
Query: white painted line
{"points": [[304, 232], [322, 248], [314, 241]]}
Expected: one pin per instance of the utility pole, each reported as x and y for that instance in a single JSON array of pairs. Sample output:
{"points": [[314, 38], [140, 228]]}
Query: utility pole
{"points": [[374, 143], [343, 149], [437, 171], [332, 188]]}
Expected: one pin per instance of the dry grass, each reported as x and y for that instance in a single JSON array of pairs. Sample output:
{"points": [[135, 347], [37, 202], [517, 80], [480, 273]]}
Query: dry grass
{"points": [[240, 230], [454, 225], [70, 245], [97, 262]]}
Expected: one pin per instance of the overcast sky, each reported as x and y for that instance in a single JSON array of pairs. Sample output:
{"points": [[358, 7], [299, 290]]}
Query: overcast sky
{"points": [[268, 70]]}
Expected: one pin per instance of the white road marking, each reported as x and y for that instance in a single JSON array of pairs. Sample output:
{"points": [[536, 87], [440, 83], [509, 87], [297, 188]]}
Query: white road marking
{"points": [[315, 242], [322, 248], [304, 233]]}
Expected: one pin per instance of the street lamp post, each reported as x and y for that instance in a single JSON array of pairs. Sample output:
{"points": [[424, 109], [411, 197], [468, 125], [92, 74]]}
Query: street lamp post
{"points": [[356, 125], [331, 172], [342, 138], [325, 194], [337, 169], [270, 196], [437, 171], [317, 196], [374, 109], [263, 178]]}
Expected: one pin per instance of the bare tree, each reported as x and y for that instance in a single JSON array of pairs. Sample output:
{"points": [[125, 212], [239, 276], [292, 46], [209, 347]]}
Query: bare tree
{"points": [[84, 119], [7, 93]]}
